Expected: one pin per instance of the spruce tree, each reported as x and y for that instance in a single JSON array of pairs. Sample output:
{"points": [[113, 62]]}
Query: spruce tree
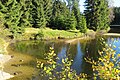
{"points": [[105, 12], [26, 17], [2, 15], [70, 22], [76, 12], [59, 8], [116, 20], [47, 5], [97, 14], [59, 13], [41, 13], [81, 21], [83, 25], [12, 14], [38, 18]]}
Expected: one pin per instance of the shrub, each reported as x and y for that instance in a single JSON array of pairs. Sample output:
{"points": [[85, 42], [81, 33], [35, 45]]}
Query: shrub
{"points": [[39, 35], [49, 71], [106, 67]]}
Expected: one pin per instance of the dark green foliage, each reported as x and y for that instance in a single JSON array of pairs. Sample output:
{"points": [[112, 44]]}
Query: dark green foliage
{"points": [[41, 13], [70, 23], [104, 15], [16, 15], [47, 10], [83, 25], [97, 14], [64, 23], [59, 8], [12, 14], [59, 14], [58, 22], [81, 21], [66, 16], [116, 20], [77, 14], [38, 17], [26, 17]]}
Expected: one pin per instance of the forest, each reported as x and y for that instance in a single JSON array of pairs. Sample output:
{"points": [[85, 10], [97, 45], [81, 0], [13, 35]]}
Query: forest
{"points": [[116, 20], [16, 15]]}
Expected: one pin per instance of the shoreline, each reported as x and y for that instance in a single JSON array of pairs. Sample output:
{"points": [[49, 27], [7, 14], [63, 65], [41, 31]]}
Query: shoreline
{"points": [[3, 60], [112, 34], [75, 39], [66, 40], [5, 76]]}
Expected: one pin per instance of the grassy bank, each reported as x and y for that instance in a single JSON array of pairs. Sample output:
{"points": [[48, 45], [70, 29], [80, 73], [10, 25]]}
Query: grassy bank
{"points": [[46, 33]]}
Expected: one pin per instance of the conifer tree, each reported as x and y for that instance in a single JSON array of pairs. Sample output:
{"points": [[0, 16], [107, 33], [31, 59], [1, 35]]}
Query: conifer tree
{"points": [[59, 13], [97, 14], [81, 21], [2, 15], [116, 20], [12, 14], [70, 22], [105, 12], [41, 13], [76, 12], [83, 25], [38, 18], [48, 10], [26, 17], [59, 8]]}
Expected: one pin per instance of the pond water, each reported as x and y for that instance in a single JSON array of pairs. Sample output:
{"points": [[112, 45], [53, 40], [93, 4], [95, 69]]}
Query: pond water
{"points": [[28, 51]]}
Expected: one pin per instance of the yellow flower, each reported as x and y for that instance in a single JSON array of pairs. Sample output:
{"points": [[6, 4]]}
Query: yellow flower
{"points": [[118, 55], [111, 64], [112, 39]]}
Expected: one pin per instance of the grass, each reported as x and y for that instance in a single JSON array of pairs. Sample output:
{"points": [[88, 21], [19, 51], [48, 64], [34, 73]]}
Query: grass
{"points": [[54, 34]]}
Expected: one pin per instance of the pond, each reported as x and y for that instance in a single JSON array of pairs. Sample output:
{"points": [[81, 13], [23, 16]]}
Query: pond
{"points": [[25, 53]]}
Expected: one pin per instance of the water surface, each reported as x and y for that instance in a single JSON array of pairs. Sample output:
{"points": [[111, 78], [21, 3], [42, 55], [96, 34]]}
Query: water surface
{"points": [[76, 51]]}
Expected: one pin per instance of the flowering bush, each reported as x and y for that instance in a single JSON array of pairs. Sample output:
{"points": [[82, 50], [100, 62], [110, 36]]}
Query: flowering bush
{"points": [[49, 71], [107, 67]]}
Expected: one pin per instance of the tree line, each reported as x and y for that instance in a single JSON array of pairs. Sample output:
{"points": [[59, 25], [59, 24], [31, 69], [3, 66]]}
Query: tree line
{"points": [[116, 20], [57, 14]]}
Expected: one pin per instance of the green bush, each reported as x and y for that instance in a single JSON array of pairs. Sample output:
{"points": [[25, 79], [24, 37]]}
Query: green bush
{"points": [[39, 35]]}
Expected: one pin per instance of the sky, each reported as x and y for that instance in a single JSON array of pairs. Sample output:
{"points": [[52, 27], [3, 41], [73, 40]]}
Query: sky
{"points": [[115, 3]]}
